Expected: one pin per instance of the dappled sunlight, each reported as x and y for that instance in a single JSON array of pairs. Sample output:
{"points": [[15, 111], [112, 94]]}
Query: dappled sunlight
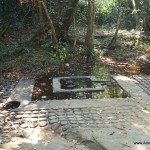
{"points": [[146, 111], [31, 139], [16, 142], [124, 78], [145, 130], [141, 147]]}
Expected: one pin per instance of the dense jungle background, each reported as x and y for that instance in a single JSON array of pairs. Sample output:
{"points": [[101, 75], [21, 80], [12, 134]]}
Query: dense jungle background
{"points": [[37, 36]]}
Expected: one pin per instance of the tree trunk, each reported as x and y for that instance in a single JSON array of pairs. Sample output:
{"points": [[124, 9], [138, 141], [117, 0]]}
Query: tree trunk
{"points": [[75, 33], [69, 19], [112, 43], [90, 25], [51, 25], [134, 4], [41, 18]]}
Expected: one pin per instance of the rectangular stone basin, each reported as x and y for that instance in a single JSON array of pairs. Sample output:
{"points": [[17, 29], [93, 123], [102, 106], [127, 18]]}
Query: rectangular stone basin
{"points": [[57, 88]]}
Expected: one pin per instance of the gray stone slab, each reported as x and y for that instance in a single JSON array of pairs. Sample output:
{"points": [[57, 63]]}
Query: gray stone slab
{"points": [[36, 139], [57, 85], [22, 92]]}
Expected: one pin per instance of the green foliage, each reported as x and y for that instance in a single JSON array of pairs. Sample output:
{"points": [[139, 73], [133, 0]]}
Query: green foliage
{"points": [[62, 50], [46, 43], [38, 58], [89, 53]]}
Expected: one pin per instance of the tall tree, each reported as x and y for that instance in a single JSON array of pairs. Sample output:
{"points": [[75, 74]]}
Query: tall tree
{"points": [[41, 17], [69, 19], [90, 24], [135, 12]]}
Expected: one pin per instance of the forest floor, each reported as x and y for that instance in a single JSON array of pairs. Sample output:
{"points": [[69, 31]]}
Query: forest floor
{"points": [[21, 57], [122, 122]]}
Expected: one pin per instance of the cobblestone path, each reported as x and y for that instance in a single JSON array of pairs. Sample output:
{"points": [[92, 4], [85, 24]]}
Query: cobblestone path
{"points": [[5, 91], [13, 123], [116, 114], [143, 82]]}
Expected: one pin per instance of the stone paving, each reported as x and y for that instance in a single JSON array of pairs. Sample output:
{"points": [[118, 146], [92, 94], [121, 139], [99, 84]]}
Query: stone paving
{"points": [[103, 114], [143, 82], [6, 90]]}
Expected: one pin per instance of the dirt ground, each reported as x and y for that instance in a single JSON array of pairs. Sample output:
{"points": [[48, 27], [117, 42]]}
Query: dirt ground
{"points": [[132, 53]]}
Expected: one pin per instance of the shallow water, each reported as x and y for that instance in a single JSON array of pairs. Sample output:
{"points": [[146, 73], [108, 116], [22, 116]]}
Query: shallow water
{"points": [[43, 88]]}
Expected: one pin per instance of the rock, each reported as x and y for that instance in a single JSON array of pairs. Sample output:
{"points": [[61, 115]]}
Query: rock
{"points": [[33, 124], [43, 123], [43, 84], [43, 97], [24, 125], [55, 126]]}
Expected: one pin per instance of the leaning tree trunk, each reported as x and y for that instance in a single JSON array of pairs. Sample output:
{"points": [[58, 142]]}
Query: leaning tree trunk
{"points": [[112, 43], [90, 25]]}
